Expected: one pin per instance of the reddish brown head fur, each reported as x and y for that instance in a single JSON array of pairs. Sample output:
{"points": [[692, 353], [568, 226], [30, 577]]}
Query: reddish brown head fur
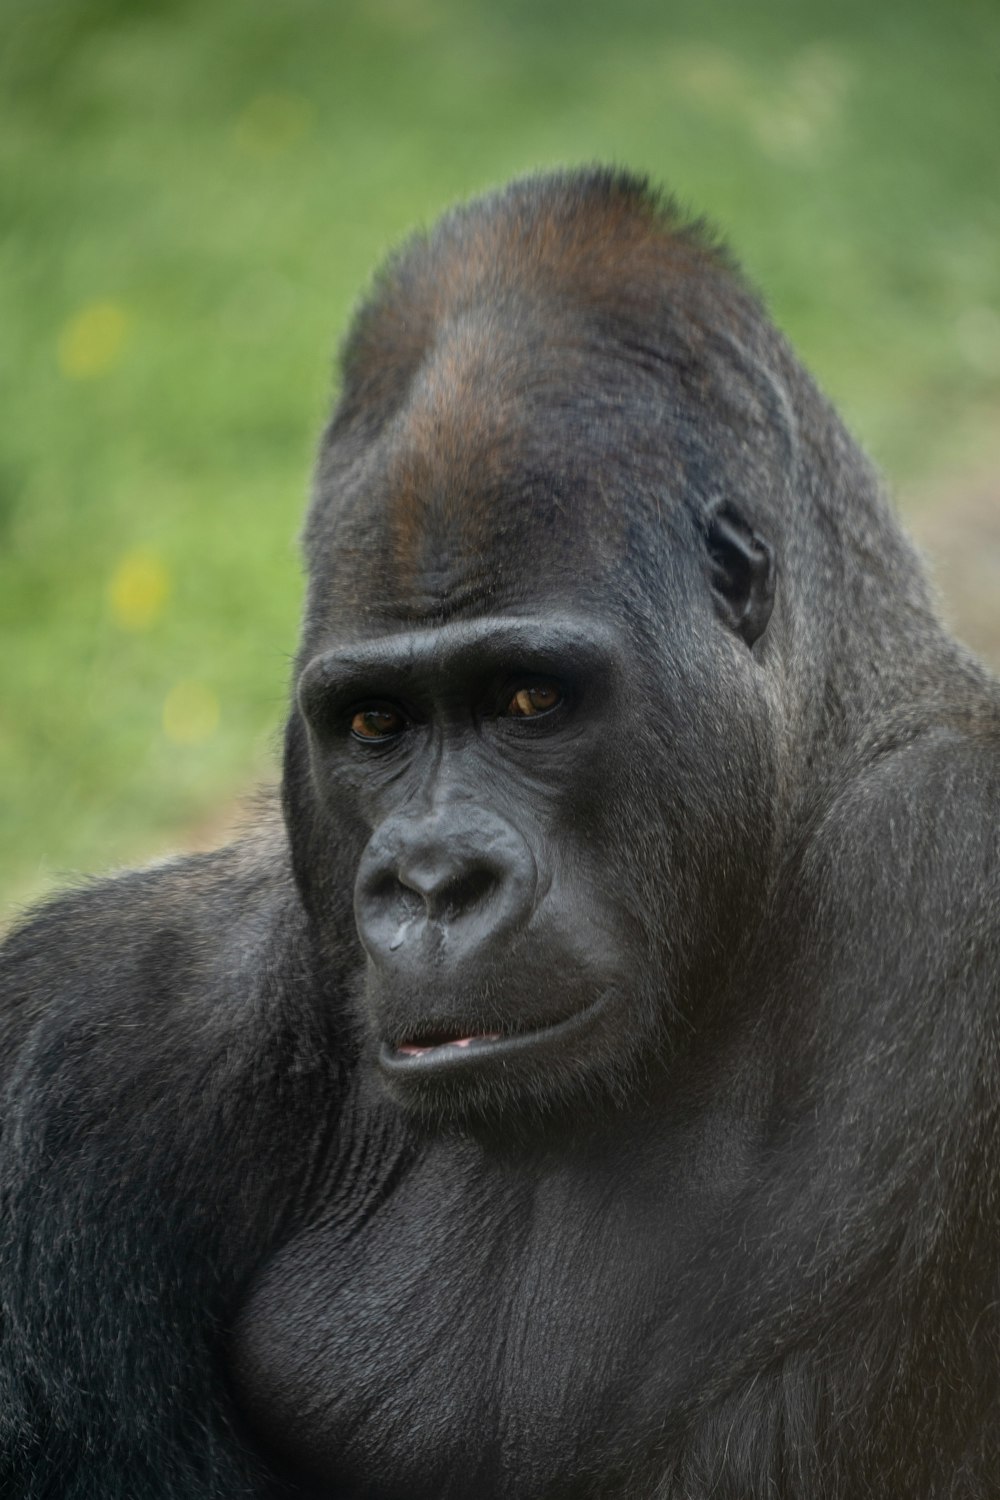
{"points": [[481, 343]]}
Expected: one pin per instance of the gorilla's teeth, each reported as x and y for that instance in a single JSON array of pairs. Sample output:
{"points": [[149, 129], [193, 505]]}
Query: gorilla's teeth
{"points": [[418, 1049]]}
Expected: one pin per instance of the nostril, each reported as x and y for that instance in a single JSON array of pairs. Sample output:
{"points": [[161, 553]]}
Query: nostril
{"points": [[388, 893], [464, 892]]}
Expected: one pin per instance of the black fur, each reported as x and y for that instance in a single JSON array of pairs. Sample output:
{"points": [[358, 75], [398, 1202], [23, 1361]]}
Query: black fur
{"points": [[710, 1208]]}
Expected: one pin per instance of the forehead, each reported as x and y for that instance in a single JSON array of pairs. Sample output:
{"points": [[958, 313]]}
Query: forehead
{"points": [[502, 475]]}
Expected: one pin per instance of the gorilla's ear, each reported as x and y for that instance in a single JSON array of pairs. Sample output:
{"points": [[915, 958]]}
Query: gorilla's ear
{"points": [[741, 572]]}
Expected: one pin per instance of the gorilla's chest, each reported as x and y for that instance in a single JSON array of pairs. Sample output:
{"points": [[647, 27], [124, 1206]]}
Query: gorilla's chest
{"points": [[471, 1334]]}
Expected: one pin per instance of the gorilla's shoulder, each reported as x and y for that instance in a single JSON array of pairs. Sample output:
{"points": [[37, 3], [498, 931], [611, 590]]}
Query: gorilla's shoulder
{"points": [[191, 933], [910, 845]]}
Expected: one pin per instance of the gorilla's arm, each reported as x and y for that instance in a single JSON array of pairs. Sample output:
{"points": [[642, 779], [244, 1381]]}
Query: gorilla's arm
{"points": [[164, 1073], [887, 1043], [868, 1255], [858, 1290]]}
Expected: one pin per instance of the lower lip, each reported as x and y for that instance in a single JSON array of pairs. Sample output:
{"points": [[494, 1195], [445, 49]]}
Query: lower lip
{"points": [[475, 1051]]}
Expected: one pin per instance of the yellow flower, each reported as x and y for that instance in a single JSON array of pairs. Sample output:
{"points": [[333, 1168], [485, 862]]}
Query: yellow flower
{"points": [[93, 340], [138, 590]]}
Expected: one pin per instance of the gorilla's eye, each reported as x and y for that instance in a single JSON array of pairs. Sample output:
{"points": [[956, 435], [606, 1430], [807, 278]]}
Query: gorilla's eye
{"points": [[539, 698], [379, 722]]}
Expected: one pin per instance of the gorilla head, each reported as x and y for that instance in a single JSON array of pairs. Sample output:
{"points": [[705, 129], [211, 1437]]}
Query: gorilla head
{"points": [[540, 718]]}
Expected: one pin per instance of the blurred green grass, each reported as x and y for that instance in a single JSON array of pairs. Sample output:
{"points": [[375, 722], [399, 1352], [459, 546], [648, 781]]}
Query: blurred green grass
{"points": [[193, 195]]}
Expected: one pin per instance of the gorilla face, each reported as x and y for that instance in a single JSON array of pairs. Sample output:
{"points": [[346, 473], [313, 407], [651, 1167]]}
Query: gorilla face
{"points": [[513, 710], [474, 754]]}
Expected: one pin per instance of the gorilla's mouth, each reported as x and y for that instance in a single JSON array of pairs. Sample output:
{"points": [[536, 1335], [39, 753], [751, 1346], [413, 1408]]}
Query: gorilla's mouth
{"points": [[428, 1050]]}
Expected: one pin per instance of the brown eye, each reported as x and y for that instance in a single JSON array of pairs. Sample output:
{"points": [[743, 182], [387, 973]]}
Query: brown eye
{"points": [[378, 723], [537, 699]]}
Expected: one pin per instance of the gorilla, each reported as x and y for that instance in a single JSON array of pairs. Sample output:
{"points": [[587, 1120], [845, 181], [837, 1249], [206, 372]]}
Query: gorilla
{"points": [[587, 1082]]}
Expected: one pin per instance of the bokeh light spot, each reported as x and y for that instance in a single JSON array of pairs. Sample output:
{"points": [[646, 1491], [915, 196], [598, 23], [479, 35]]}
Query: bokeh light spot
{"points": [[793, 115], [138, 590], [190, 713], [93, 340]]}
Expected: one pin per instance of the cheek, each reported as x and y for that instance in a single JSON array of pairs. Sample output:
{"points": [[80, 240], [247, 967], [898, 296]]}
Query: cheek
{"points": [[583, 935], [347, 791], [600, 858]]}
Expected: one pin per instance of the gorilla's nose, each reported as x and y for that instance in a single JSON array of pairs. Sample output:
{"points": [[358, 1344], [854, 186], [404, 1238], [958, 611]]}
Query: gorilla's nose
{"points": [[442, 889]]}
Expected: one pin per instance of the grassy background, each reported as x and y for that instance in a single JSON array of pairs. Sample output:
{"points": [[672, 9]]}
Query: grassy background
{"points": [[193, 194]]}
